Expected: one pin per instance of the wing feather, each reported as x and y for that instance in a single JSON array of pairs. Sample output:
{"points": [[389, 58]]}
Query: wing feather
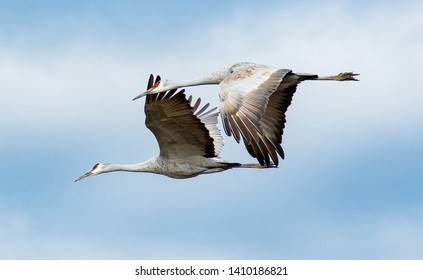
{"points": [[254, 100], [234, 128], [274, 119], [179, 131], [209, 119], [199, 112], [197, 103]]}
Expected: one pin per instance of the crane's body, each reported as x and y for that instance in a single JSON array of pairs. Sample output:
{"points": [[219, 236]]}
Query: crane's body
{"points": [[177, 169], [188, 138], [253, 101]]}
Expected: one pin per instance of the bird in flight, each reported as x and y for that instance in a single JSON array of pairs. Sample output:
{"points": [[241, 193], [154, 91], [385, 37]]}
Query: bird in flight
{"points": [[254, 99], [188, 138]]}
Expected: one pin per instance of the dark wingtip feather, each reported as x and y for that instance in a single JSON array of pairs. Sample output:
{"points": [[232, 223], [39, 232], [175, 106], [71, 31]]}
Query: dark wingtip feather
{"points": [[150, 81]]}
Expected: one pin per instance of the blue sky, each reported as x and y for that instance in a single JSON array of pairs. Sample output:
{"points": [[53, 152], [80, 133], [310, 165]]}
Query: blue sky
{"points": [[349, 188]]}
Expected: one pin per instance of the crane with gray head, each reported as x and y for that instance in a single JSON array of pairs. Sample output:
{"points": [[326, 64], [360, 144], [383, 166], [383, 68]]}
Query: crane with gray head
{"points": [[187, 134], [254, 99]]}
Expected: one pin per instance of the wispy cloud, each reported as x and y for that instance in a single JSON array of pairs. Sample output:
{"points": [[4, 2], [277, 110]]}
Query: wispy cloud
{"points": [[66, 105]]}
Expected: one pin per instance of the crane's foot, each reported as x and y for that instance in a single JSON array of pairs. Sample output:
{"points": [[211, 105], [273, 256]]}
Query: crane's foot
{"points": [[346, 76], [257, 165]]}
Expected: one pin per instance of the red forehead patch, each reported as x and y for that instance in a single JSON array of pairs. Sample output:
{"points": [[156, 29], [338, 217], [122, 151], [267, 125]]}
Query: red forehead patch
{"points": [[95, 166]]}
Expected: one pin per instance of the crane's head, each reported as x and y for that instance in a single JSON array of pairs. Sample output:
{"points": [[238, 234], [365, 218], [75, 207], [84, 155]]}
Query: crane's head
{"points": [[156, 87], [98, 168]]}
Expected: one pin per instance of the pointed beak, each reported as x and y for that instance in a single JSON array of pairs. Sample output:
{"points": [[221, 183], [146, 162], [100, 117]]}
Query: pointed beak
{"points": [[141, 95], [84, 176]]}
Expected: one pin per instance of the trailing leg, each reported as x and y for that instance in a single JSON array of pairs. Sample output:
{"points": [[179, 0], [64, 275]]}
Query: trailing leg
{"points": [[345, 76]]}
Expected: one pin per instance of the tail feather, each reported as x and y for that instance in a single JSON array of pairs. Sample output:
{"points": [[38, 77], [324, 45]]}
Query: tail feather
{"points": [[304, 76]]}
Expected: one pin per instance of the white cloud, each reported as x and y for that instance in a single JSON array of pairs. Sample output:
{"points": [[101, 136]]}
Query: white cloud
{"points": [[316, 39], [89, 85], [82, 92]]}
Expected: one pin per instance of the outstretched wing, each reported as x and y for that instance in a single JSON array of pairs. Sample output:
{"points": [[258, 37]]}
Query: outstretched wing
{"points": [[273, 123], [181, 130], [254, 100]]}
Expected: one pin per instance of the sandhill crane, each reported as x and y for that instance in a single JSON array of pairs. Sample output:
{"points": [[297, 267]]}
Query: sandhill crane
{"points": [[253, 101], [188, 138]]}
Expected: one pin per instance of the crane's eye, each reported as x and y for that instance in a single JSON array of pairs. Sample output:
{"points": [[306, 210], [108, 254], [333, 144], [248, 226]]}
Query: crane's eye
{"points": [[95, 166]]}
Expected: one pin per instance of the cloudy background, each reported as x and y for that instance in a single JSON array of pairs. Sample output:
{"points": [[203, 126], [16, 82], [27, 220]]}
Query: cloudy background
{"points": [[351, 186]]}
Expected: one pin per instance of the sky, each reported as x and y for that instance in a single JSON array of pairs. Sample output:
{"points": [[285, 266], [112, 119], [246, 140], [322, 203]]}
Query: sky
{"points": [[350, 186]]}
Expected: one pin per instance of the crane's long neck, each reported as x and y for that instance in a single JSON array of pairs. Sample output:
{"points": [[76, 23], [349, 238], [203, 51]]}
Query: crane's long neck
{"points": [[212, 79], [146, 166]]}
